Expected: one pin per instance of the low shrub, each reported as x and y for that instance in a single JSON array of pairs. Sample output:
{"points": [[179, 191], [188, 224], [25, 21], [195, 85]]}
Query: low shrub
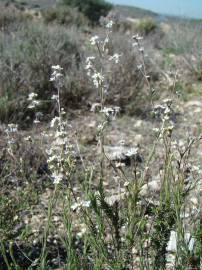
{"points": [[27, 55], [10, 15], [65, 16], [92, 9], [185, 41], [146, 26]]}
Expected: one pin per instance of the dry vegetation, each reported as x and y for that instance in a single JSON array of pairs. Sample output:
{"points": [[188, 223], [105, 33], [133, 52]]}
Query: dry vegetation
{"points": [[100, 167]]}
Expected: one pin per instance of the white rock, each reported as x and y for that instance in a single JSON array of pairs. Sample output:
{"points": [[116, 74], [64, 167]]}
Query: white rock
{"points": [[138, 123], [154, 186], [194, 200], [144, 190], [193, 103], [172, 244]]}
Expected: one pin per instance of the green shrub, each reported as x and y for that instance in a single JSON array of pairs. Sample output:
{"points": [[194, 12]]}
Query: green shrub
{"points": [[10, 14], [146, 26], [64, 16], [93, 9]]}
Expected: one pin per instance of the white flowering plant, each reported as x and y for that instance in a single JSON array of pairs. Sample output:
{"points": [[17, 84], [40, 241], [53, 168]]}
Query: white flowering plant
{"points": [[108, 203]]}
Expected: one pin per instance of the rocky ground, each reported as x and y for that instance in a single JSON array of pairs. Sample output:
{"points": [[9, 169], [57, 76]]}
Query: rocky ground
{"points": [[125, 134]]}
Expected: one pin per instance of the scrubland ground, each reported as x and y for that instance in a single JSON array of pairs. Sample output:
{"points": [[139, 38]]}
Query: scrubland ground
{"points": [[99, 187]]}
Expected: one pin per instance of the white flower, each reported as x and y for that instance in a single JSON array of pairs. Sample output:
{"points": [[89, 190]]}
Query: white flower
{"points": [[78, 205], [89, 66], [100, 127], [94, 40], [82, 232], [60, 134], [126, 184], [137, 37], [75, 206], [115, 58], [63, 111], [95, 107], [60, 141], [36, 102], [110, 113], [29, 138], [57, 177], [54, 97], [139, 67], [107, 110], [11, 141], [98, 79], [36, 121], [52, 158], [85, 204], [54, 121], [56, 73], [12, 128], [33, 104], [90, 58], [32, 96], [131, 152], [109, 24], [57, 67]]}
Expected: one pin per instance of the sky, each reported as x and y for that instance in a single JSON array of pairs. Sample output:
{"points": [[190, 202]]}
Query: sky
{"points": [[187, 8]]}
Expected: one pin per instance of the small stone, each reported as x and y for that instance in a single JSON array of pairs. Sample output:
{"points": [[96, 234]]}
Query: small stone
{"points": [[172, 244], [152, 187], [144, 190], [138, 123], [194, 200], [123, 154]]}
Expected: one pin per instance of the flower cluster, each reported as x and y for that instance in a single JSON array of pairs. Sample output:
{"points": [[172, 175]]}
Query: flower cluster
{"points": [[56, 73], [11, 128], [98, 79], [137, 39], [109, 24], [60, 155], [165, 113], [96, 76], [33, 103], [80, 204], [10, 131], [94, 40], [95, 71], [56, 76], [110, 112], [115, 58]]}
